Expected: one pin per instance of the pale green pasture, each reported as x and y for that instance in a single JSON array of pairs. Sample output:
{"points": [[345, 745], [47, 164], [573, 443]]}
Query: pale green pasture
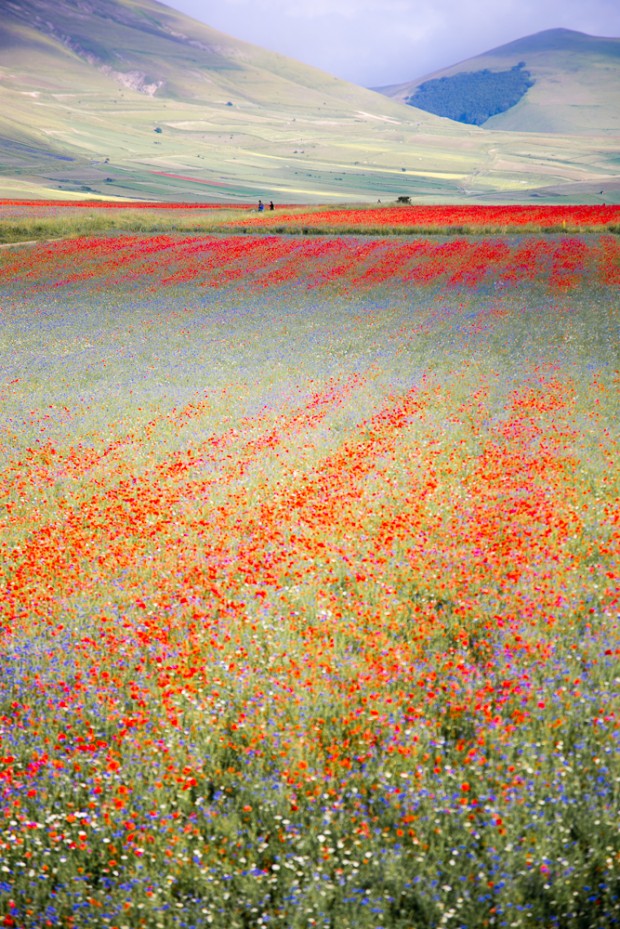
{"points": [[71, 129]]}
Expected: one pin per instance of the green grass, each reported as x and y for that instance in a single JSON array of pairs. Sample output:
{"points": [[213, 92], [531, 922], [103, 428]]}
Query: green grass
{"points": [[83, 222]]}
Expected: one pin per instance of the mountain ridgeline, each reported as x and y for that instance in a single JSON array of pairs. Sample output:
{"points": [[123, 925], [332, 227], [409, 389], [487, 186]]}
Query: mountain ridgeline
{"points": [[473, 97], [133, 99], [558, 81]]}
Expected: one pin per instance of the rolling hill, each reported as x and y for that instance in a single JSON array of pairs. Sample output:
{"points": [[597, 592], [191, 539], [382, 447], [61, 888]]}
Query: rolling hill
{"points": [[557, 81], [129, 98]]}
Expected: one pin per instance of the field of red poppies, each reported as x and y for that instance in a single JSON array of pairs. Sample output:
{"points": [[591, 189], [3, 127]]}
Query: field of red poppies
{"points": [[309, 582], [35, 219], [402, 217]]}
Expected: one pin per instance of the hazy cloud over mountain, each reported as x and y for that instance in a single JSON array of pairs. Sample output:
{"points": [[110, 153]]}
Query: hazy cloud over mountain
{"points": [[374, 42]]}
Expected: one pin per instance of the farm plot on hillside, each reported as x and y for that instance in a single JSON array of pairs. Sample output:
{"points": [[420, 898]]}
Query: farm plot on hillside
{"points": [[309, 583]]}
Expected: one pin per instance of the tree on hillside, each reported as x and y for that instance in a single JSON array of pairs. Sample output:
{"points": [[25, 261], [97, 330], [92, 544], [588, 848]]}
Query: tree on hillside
{"points": [[473, 96]]}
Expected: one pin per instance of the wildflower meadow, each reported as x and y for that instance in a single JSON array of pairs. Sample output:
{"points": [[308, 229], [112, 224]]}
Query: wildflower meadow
{"points": [[309, 581]]}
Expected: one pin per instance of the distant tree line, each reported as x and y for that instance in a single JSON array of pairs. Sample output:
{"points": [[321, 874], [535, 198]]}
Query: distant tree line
{"points": [[473, 96]]}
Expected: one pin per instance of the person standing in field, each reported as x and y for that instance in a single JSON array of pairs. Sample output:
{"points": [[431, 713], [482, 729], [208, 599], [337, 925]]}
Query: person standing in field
{"points": [[261, 206], [271, 206]]}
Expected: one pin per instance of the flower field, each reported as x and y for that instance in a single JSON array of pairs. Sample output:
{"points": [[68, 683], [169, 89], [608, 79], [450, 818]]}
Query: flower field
{"points": [[444, 218], [309, 582], [23, 220]]}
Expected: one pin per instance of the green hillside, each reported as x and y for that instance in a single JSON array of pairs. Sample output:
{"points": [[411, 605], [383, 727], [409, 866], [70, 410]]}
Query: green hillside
{"points": [[129, 98], [571, 86]]}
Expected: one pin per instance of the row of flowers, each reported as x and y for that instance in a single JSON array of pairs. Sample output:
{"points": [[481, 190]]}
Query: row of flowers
{"points": [[266, 261]]}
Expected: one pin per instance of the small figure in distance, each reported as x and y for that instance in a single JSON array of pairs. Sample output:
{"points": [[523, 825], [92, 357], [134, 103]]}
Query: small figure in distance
{"points": [[261, 206], [271, 206]]}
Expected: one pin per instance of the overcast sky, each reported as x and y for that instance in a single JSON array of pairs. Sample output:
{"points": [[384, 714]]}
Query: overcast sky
{"points": [[375, 42]]}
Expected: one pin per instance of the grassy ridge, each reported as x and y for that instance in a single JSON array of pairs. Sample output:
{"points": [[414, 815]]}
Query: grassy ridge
{"points": [[575, 80]]}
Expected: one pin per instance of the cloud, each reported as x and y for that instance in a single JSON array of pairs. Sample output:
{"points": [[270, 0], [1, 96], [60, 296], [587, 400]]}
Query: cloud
{"points": [[351, 9], [377, 42]]}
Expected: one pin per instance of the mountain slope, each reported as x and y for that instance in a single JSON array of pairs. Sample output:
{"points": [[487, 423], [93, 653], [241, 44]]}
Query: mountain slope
{"points": [[131, 98], [565, 82], [120, 95]]}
